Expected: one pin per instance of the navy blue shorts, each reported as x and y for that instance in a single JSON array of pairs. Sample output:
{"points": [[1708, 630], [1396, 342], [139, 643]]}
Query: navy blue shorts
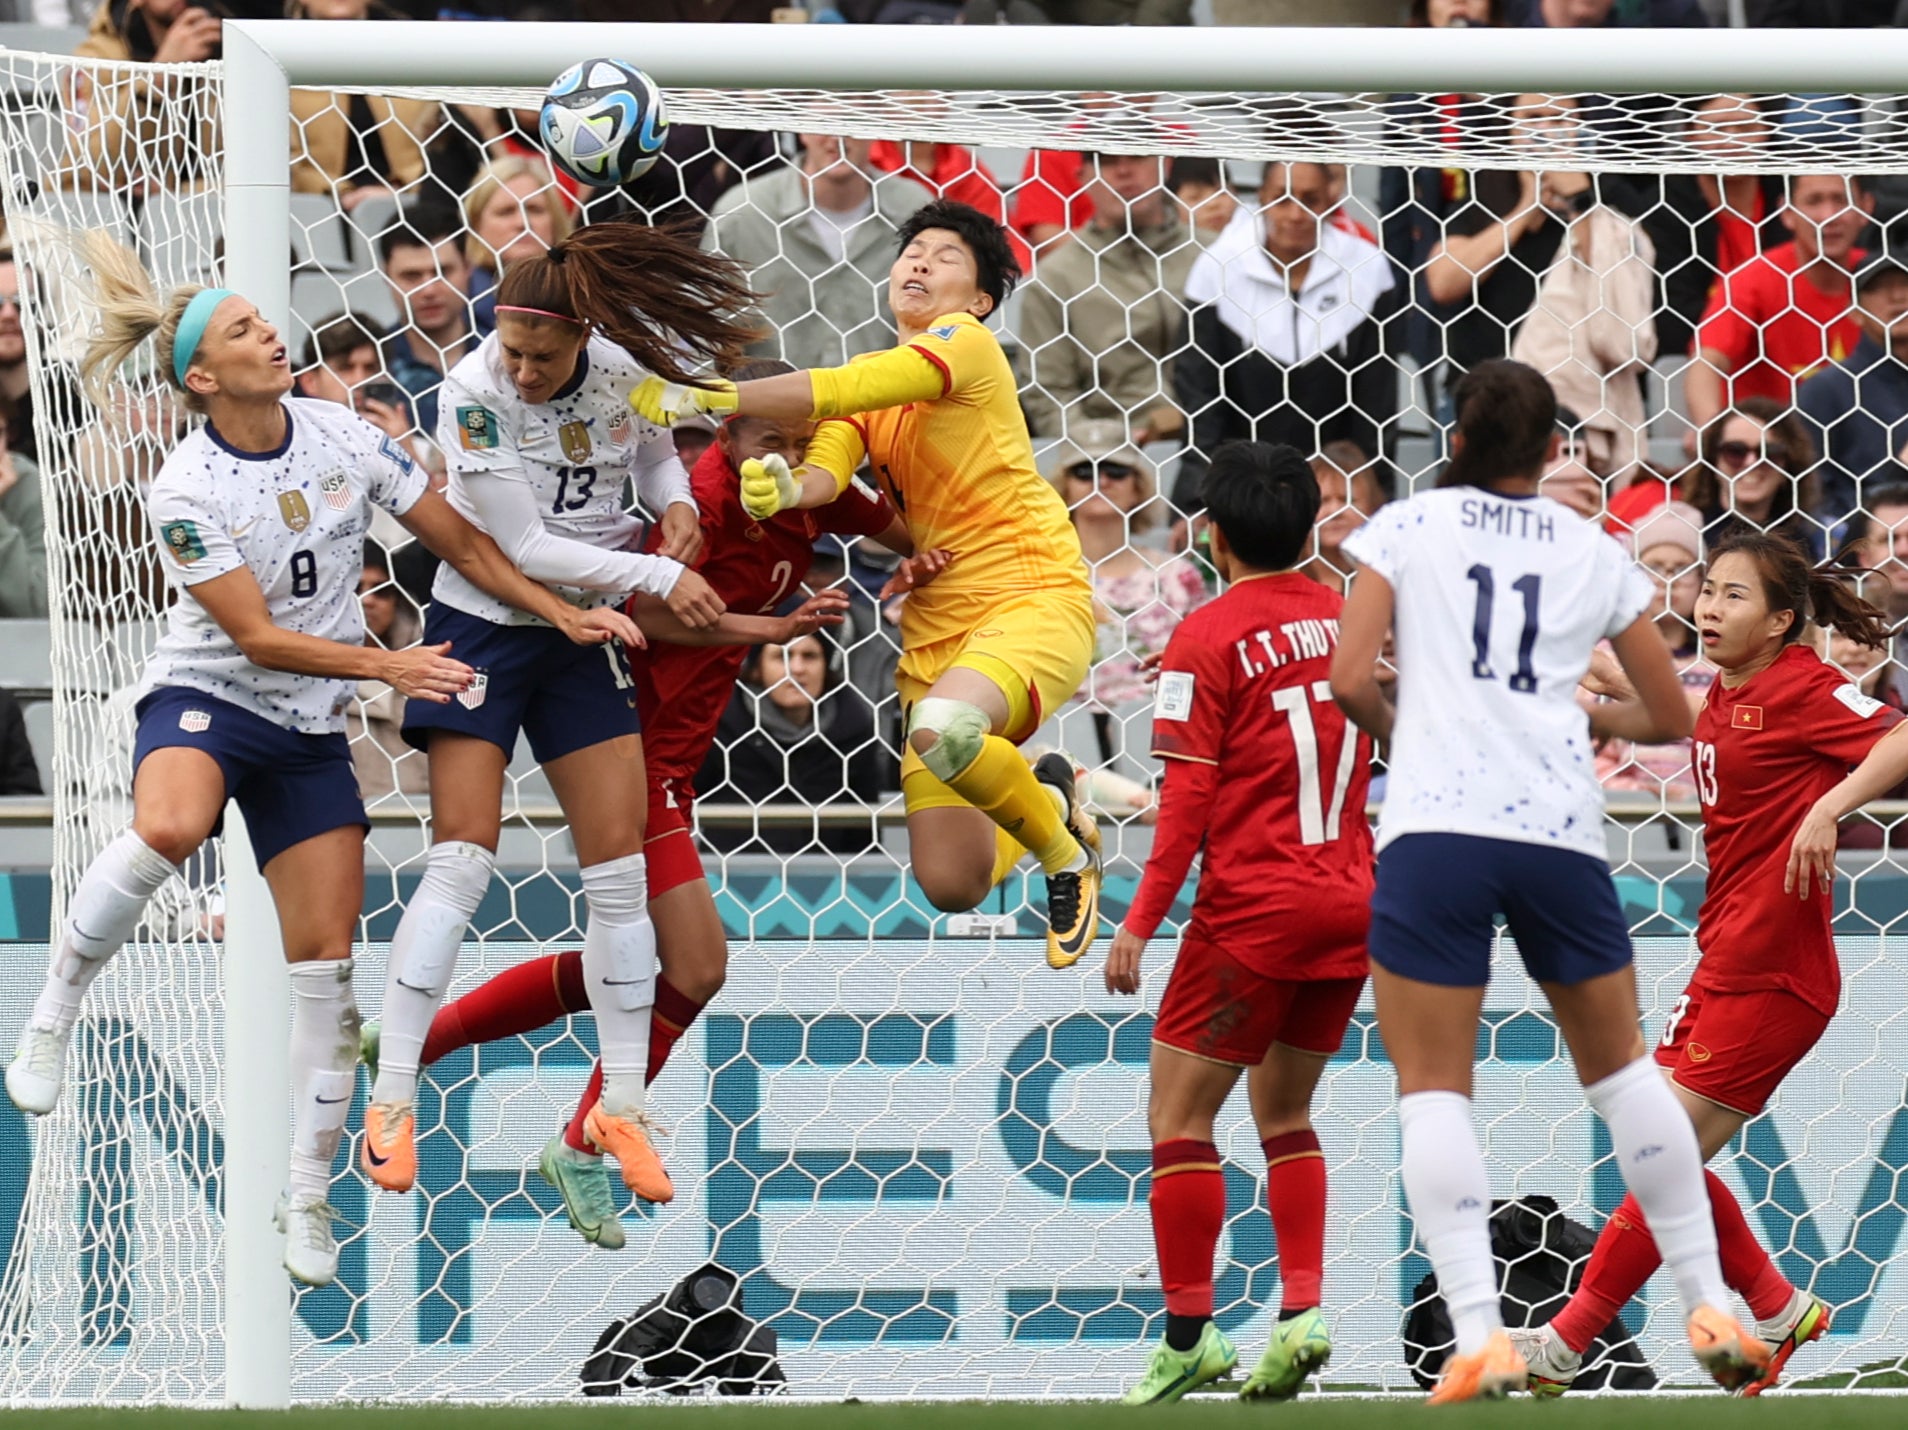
{"points": [[564, 697], [290, 787], [1434, 910]]}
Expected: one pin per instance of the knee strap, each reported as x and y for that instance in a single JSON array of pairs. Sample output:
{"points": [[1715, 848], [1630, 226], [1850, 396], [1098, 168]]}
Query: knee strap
{"points": [[959, 729]]}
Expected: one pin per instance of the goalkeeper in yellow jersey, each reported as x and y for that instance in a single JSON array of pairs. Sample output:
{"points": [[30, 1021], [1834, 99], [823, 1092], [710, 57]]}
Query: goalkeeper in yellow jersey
{"points": [[1004, 635]]}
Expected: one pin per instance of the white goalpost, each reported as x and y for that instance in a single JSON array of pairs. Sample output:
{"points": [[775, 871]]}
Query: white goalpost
{"points": [[921, 1152]]}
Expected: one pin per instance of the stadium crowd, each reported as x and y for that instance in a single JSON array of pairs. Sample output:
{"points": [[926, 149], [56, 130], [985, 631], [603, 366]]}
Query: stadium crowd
{"points": [[1730, 351]]}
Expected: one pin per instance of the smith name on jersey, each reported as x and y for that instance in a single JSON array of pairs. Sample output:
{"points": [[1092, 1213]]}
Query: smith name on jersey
{"points": [[296, 519]]}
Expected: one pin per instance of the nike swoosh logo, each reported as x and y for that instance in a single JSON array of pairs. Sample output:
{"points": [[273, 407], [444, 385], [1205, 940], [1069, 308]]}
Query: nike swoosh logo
{"points": [[371, 1153], [413, 987], [332, 1101], [623, 982], [239, 531]]}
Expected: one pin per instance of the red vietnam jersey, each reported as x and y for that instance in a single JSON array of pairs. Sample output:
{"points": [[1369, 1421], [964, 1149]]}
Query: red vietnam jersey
{"points": [[1764, 753], [754, 566], [1285, 885]]}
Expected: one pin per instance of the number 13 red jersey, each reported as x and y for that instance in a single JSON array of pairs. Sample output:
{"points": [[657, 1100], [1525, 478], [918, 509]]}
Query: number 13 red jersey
{"points": [[1285, 885], [1764, 753]]}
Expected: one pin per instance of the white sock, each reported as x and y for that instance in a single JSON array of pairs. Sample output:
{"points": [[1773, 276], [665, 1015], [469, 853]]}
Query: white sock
{"points": [[423, 959], [324, 1060], [619, 969], [1449, 1193], [1656, 1151], [106, 908]]}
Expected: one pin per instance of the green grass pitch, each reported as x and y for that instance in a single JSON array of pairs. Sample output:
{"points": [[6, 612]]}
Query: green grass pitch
{"points": [[1627, 1412]]}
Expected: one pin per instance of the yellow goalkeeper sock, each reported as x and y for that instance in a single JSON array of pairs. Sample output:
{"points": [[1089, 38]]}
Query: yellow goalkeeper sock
{"points": [[1008, 851], [1001, 784]]}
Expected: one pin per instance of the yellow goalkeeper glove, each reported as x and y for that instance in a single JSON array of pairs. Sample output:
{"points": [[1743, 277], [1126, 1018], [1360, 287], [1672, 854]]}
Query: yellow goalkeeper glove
{"points": [[667, 403], [768, 486]]}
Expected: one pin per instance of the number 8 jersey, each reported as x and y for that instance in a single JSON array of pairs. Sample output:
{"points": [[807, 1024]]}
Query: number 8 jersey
{"points": [[1499, 602], [546, 480]]}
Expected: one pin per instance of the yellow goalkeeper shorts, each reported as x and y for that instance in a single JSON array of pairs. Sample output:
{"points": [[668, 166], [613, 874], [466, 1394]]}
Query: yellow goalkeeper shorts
{"points": [[1036, 648]]}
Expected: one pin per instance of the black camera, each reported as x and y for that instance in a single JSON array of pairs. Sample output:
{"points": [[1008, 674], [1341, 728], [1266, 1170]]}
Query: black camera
{"points": [[695, 1335]]}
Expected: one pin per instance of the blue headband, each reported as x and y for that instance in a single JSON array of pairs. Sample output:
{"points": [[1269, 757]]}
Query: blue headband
{"points": [[185, 344]]}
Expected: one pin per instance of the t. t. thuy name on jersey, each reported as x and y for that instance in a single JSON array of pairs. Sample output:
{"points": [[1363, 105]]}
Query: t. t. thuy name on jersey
{"points": [[1295, 640], [1510, 518]]}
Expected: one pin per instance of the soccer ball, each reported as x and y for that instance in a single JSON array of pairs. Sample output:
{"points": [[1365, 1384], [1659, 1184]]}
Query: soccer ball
{"points": [[603, 122]]}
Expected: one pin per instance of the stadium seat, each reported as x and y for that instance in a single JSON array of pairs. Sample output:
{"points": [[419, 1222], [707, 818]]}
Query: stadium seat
{"points": [[26, 654], [317, 296], [318, 233]]}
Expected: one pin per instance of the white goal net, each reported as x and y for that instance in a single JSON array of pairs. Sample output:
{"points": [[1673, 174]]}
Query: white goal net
{"points": [[923, 1153]]}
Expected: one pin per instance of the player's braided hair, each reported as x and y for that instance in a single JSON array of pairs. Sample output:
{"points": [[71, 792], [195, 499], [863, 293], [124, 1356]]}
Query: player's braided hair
{"points": [[1826, 595], [1506, 413], [652, 291]]}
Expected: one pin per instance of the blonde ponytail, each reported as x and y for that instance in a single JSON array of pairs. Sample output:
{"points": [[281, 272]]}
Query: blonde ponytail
{"points": [[130, 311]]}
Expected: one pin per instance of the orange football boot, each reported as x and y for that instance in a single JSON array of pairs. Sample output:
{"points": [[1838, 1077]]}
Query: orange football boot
{"points": [[388, 1152], [1734, 1358], [1489, 1374], [627, 1140]]}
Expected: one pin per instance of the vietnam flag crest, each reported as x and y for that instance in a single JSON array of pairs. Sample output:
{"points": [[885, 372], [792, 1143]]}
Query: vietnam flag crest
{"points": [[1747, 717]]}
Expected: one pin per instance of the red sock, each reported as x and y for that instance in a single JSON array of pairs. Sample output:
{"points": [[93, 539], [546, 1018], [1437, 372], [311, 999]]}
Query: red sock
{"points": [[574, 1134], [668, 1021], [518, 1000], [1745, 1265], [1295, 1194], [1625, 1258], [1188, 1202]]}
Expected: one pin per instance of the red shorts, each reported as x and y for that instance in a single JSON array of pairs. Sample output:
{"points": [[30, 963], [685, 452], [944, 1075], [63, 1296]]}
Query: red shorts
{"points": [[1218, 1009], [1734, 1049], [669, 842]]}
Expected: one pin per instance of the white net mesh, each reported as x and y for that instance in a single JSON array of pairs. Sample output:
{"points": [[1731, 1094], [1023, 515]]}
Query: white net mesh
{"points": [[925, 1158]]}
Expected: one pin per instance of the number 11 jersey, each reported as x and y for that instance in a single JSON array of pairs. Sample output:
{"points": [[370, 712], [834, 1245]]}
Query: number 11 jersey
{"points": [[1499, 602]]}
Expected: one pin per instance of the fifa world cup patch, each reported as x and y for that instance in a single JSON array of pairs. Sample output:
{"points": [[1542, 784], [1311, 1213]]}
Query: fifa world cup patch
{"points": [[336, 489], [476, 428], [1862, 705], [575, 440], [182, 539], [472, 695], [945, 332], [1174, 697], [295, 509], [195, 721]]}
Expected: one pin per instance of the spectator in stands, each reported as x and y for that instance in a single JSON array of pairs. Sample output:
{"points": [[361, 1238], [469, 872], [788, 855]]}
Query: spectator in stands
{"points": [[1858, 405], [795, 732], [948, 171], [1708, 225], [1789, 309], [1882, 543], [514, 208], [137, 135], [423, 261], [818, 240], [1348, 493], [1572, 476], [1757, 469], [1199, 184], [1139, 592], [1285, 331], [22, 533], [340, 363], [373, 721], [1104, 315], [1615, 14], [1592, 328], [355, 146], [16, 387], [19, 775], [1669, 546]]}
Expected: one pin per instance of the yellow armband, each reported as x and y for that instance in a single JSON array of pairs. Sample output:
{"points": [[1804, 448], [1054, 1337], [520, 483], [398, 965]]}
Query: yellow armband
{"points": [[891, 379]]}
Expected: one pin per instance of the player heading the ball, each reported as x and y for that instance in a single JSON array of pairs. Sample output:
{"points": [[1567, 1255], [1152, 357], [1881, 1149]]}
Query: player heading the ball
{"points": [[1267, 772], [1497, 596], [540, 439], [262, 514], [1005, 635]]}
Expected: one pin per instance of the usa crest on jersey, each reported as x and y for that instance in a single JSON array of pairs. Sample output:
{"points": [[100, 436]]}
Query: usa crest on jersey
{"points": [[336, 490], [195, 721], [472, 695]]}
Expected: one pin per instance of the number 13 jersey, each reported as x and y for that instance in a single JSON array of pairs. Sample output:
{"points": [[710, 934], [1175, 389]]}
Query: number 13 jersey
{"points": [[1499, 603]]}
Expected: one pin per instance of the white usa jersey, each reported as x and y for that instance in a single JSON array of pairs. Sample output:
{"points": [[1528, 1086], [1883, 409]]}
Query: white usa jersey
{"points": [[573, 453], [1499, 603], [296, 519]]}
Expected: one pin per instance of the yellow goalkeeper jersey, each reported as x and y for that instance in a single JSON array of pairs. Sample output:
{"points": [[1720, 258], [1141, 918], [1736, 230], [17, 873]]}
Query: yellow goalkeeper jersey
{"points": [[957, 462]]}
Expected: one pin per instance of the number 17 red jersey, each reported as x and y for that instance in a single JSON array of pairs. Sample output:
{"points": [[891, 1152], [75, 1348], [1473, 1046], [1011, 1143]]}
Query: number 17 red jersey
{"points": [[1285, 885]]}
